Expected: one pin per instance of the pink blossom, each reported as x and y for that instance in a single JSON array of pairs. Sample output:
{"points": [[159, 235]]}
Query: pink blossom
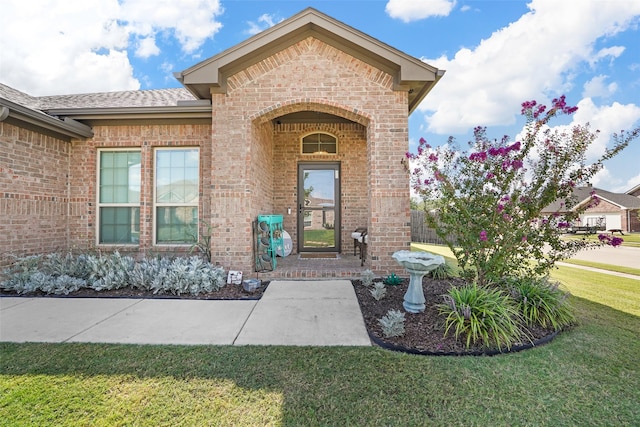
{"points": [[524, 238], [433, 157], [478, 157], [516, 164], [483, 236], [563, 224], [612, 241], [490, 176]]}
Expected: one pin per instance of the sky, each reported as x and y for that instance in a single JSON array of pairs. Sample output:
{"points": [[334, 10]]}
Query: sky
{"points": [[497, 54]]}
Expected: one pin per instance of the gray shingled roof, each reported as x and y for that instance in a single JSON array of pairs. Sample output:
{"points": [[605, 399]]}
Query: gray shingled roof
{"points": [[130, 98], [582, 194]]}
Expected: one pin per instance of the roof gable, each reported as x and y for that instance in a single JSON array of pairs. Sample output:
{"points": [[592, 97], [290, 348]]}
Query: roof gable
{"points": [[409, 73]]}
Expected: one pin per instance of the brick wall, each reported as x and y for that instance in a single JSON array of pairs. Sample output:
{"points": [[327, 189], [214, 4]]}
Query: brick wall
{"points": [[311, 76], [353, 178], [33, 192], [83, 177]]}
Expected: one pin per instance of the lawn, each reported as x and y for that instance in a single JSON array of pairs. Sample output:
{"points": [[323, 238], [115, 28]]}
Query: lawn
{"points": [[589, 375]]}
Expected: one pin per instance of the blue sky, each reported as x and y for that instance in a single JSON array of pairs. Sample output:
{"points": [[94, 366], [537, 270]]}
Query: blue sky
{"points": [[497, 54]]}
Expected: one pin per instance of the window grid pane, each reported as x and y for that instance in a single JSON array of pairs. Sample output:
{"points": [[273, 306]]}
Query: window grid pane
{"points": [[319, 143], [119, 225], [120, 177], [176, 224], [119, 192], [177, 195]]}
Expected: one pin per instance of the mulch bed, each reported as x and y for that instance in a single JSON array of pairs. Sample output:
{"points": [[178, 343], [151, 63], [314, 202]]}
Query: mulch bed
{"points": [[424, 332], [228, 292]]}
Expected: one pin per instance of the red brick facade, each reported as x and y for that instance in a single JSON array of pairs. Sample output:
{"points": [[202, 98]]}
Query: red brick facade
{"points": [[248, 161], [34, 192]]}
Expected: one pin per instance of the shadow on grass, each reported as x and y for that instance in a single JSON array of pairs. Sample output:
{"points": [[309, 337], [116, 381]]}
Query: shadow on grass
{"points": [[587, 375]]}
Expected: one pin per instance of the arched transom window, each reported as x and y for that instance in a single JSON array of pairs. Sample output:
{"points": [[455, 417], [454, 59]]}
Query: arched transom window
{"points": [[319, 143]]}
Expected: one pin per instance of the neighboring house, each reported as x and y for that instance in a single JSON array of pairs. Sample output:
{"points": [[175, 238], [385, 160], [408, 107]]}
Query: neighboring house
{"points": [[614, 211], [138, 170]]}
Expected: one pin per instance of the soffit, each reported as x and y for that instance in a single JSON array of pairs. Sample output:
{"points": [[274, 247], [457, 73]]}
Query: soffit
{"points": [[410, 74]]}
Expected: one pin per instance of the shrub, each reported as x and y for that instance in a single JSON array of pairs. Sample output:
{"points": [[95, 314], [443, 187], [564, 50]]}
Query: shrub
{"points": [[488, 200], [109, 272], [57, 274], [379, 291], [184, 275], [442, 271], [367, 277], [541, 302], [481, 315], [392, 323]]}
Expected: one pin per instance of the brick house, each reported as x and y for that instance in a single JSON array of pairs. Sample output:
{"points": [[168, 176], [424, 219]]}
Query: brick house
{"points": [[614, 211], [309, 107]]}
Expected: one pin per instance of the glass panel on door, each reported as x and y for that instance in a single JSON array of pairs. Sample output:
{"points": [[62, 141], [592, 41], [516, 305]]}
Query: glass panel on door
{"points": [[318, 210]]}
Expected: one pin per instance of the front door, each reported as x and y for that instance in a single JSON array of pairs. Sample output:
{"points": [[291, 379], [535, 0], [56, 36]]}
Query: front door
{"points": [[318, 207]]}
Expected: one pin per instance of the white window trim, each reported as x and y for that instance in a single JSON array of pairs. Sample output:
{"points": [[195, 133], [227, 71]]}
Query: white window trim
{"points": [[320, 153], [100, 205], [156, 204]]}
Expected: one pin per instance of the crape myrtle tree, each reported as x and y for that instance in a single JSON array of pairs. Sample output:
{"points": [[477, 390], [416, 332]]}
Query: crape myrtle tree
{"points": [[488, 200]]}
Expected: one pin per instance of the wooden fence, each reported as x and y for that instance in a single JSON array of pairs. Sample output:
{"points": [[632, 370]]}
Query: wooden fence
{"points": [[420, 231]]}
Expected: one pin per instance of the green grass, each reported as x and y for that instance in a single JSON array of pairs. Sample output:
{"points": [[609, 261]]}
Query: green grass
{"points": [[616, 268], [616, 292], [589, 375], [319, 238]]}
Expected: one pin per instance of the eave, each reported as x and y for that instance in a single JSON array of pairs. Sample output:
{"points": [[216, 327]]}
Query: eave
{"points": [[409, 73], [201, 111], [65, 129]]}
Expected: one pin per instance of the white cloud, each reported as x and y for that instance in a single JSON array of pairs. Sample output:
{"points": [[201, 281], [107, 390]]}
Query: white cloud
{"points": [[609, 52], [414, 10], [597, 87], [533, 58], [264, 21], [628, 184], [83, 45], [147, 47], [608, 120]]}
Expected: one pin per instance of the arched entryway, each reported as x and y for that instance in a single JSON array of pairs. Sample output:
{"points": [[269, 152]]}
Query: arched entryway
{"points": [[336, 172]]}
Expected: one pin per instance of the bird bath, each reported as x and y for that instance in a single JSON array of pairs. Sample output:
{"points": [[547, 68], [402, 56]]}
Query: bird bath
{"points": [[417, 264]]}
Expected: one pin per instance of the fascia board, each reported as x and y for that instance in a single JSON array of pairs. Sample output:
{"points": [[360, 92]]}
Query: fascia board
{"points": [[179, 112], [68, 128], [213, 71]]}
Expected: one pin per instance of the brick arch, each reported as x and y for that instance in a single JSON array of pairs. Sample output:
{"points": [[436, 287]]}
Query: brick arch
{"points": [[320, 105]]}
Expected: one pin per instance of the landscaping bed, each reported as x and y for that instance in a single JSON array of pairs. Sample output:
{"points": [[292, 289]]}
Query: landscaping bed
{"points": [[424, 332], [227, 292]]}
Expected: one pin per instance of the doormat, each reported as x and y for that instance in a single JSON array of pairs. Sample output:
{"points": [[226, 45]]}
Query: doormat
{"points": [[319, 255]]}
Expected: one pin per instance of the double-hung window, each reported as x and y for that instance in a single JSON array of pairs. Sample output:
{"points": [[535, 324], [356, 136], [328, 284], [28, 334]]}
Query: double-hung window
{"points": [[119, 197], [177, 186]]}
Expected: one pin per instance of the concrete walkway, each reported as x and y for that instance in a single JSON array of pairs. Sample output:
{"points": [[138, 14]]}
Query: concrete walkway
{"points": [[299, 313]]}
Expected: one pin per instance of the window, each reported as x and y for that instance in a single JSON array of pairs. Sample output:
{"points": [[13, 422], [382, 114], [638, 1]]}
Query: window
{"points": [[319, 143], [176, 195], [119, 197]]}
